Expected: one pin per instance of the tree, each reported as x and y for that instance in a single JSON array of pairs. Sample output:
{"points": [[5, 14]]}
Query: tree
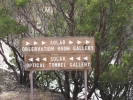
{"points": [[9, 33], [109, 21]]}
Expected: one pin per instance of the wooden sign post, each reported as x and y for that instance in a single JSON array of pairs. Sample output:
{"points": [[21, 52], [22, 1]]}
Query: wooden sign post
{"points": [[58, 53], [85, 83], [31, 85]]}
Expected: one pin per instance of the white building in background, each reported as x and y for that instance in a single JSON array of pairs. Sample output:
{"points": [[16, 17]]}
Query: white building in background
{"points": [[7, 52]]}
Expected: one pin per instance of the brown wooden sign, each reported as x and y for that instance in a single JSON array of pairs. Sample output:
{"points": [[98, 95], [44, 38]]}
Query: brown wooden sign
{"points": [[58, 62], [58, 45]]}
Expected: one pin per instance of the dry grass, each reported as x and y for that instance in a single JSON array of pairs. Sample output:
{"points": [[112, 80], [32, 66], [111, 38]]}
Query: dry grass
{"points": [[12, 90], [23, 93], [13, 95]]}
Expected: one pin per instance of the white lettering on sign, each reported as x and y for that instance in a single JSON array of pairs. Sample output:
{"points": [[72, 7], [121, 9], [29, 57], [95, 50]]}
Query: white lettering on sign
{"points": [[71, 58], [38, 59], [80, 64], [78, 58], [27, 43], [63, 48], [58, 42], [70, 42], [78, 42], [35, 65], [29, 49], [80, 48], [44, 59], [35, 43], [87, 42], [57, 65], [59, 48], [43, 42], [57, 59], [55, 42], [31, 59], [85, 58]]}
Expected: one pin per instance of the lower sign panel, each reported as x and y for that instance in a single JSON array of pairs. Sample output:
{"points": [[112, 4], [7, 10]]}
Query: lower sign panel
{"points": [[58, 62]]}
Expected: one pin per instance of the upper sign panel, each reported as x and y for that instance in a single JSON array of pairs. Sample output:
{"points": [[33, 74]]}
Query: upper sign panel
{"points": [[58, 45]]}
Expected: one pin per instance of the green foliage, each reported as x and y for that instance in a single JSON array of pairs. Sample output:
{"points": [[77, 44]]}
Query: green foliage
{"points": [[65, 6], [9, 25], [97, 13], [46, 78], [12, 60], [5, 11], [115, 77], [109, 21], [128, 60], [21, 3]]}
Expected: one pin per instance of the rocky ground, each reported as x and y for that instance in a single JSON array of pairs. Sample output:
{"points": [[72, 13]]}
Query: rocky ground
{"points": [[12, 90]]}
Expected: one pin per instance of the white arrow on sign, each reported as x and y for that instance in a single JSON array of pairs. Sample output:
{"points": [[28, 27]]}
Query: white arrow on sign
{"points": [[31, 59], [78, 58], [71, 58], [87, 42], [35, 43], [44, 59], [27, 43], [70, 42], [85, 58], [78, 42], [43, 42], [38, 59]]}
